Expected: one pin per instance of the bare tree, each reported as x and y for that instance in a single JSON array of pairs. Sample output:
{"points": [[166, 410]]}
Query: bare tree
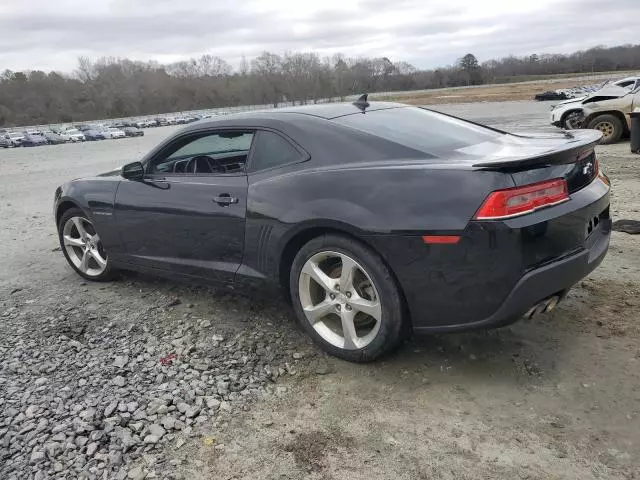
{"points": [[118, 87]]}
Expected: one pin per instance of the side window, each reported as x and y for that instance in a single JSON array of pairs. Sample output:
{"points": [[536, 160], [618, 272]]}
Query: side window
{"points": [[211, 153], [271, 150]]}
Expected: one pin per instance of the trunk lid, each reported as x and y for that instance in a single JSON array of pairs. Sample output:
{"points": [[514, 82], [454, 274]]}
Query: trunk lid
{"points": [[532, 158]]}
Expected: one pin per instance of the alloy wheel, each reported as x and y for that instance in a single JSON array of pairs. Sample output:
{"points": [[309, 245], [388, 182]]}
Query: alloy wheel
{"points": [[606, 128], [83, 246], [340, 300]]}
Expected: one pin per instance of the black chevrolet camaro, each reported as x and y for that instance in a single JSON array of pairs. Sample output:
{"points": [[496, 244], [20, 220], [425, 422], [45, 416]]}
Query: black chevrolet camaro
{"points": [[377, 219]]}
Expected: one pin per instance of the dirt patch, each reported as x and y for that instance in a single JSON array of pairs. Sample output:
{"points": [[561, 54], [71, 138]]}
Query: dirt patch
{"points": [[489, 93], [310, 449]]}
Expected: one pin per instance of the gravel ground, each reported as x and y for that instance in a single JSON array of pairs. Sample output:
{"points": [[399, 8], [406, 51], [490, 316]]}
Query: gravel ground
{"points": [[142, 378]]}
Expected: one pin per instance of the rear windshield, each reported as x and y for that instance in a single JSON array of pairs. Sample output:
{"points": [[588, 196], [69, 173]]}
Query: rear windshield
{"points": [[420, 129]]}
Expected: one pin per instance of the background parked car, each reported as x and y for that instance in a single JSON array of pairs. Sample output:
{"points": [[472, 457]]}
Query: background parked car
{"points": [[63, 135], [112, 133], [33, 131], [54, 138], [133, 132], [4, 142], [75, 135], [91, 135], [15, 138], [33, 141]]}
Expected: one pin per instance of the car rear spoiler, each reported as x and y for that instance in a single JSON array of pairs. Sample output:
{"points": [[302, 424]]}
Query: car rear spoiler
{"points": [[577, 144]]}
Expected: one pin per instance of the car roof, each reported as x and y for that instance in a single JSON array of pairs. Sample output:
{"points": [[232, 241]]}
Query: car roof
{"points": [[325, 111]]}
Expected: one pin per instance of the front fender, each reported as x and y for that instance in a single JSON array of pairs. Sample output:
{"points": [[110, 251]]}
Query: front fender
{"points": [[96, 197]]}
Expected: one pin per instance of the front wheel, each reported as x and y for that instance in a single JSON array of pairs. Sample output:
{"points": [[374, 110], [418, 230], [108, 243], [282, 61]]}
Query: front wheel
{"points": [[346, 298], [82, 246], [573, 120], [610, 126]]}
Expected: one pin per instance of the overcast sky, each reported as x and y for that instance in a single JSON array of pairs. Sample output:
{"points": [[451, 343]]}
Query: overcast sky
{"points": [[50, 35]]}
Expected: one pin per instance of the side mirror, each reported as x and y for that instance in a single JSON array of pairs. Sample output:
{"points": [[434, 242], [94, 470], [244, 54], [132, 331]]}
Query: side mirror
{"points": [[133, 171]]}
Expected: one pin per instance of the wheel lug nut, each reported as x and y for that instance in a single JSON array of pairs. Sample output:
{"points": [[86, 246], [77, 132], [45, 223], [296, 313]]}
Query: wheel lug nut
{"points": [[348, 307], [337, 307], [348, 294], [338, 288], [332, 296]]}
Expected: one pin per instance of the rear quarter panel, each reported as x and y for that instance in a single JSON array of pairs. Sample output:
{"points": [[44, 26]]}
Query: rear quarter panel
{"points": [[362, 200]]}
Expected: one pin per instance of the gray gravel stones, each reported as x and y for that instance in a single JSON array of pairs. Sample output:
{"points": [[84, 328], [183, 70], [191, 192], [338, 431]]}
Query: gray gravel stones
{"points": [[121, 361], [95, 395]]}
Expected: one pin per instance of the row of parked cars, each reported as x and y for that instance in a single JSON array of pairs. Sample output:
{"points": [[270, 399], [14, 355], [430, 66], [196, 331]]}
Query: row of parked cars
{"points": [[33, 137]]}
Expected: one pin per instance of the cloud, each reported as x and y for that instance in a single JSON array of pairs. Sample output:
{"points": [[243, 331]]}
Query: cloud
{"points": [[428, 33]]}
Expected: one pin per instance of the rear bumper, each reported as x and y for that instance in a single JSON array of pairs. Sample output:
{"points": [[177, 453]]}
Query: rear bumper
{"points": [[555, 278], [499, 269]]}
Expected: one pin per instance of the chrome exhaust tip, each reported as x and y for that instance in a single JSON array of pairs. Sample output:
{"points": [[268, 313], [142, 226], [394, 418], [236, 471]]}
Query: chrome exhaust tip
{"points": [[544, 306]]}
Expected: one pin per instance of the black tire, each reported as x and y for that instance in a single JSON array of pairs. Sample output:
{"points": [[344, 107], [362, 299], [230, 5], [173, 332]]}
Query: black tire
{"points": [[391, 331], [610, 126], [108, 272]]}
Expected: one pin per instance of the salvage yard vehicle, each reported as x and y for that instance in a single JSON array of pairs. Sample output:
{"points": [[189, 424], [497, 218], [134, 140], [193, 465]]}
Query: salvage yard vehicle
{"points": [[31, 140], [133, 132], [14, 138], [74, 135], [112, 133], [376, 218], [607, 110], [54, 138], [92, 135]]}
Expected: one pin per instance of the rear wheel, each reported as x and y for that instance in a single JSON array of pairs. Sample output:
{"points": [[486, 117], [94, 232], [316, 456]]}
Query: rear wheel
{"points": [[610, 126], [82, 246], [346, 298]]}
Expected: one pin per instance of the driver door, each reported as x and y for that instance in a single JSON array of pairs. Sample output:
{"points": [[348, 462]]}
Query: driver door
{"points": [[188, 213]]}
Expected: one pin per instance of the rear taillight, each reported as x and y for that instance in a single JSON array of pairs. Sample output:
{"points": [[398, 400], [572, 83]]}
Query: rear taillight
{"points": [[512, 202]]}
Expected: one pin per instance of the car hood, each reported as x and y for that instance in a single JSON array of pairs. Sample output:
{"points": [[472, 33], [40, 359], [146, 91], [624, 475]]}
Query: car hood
{"points": [[573, 100], [607, 93]]}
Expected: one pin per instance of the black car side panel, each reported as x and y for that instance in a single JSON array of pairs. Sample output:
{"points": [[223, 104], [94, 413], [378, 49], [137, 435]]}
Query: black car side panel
{"points": [[454, 285], [96, 197], [360, 200]]}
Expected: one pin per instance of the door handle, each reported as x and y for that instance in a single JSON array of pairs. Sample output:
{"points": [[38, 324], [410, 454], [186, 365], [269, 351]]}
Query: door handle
{"points": [[225, 199], [160, 183]]}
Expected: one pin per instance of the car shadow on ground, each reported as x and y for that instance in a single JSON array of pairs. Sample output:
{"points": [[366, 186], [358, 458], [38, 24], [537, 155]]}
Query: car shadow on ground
{"points": [[515, 348], [519, 354]]}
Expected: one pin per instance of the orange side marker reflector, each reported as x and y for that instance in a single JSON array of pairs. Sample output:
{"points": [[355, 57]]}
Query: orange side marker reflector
{"points": [[441, 239]]}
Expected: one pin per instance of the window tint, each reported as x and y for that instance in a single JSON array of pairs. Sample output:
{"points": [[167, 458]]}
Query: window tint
{"points": [[422, 130], [214, 153], [216, 143], [271, 150]]}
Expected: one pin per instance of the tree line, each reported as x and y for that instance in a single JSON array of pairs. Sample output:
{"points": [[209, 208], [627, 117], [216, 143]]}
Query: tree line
{"points": [[117, 87]]}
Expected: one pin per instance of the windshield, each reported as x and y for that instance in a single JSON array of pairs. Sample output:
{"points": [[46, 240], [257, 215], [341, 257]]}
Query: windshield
{"points": [[420, 129]]}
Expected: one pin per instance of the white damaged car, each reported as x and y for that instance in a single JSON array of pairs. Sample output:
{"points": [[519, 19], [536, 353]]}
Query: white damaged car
{"points": [[570, 113]]}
